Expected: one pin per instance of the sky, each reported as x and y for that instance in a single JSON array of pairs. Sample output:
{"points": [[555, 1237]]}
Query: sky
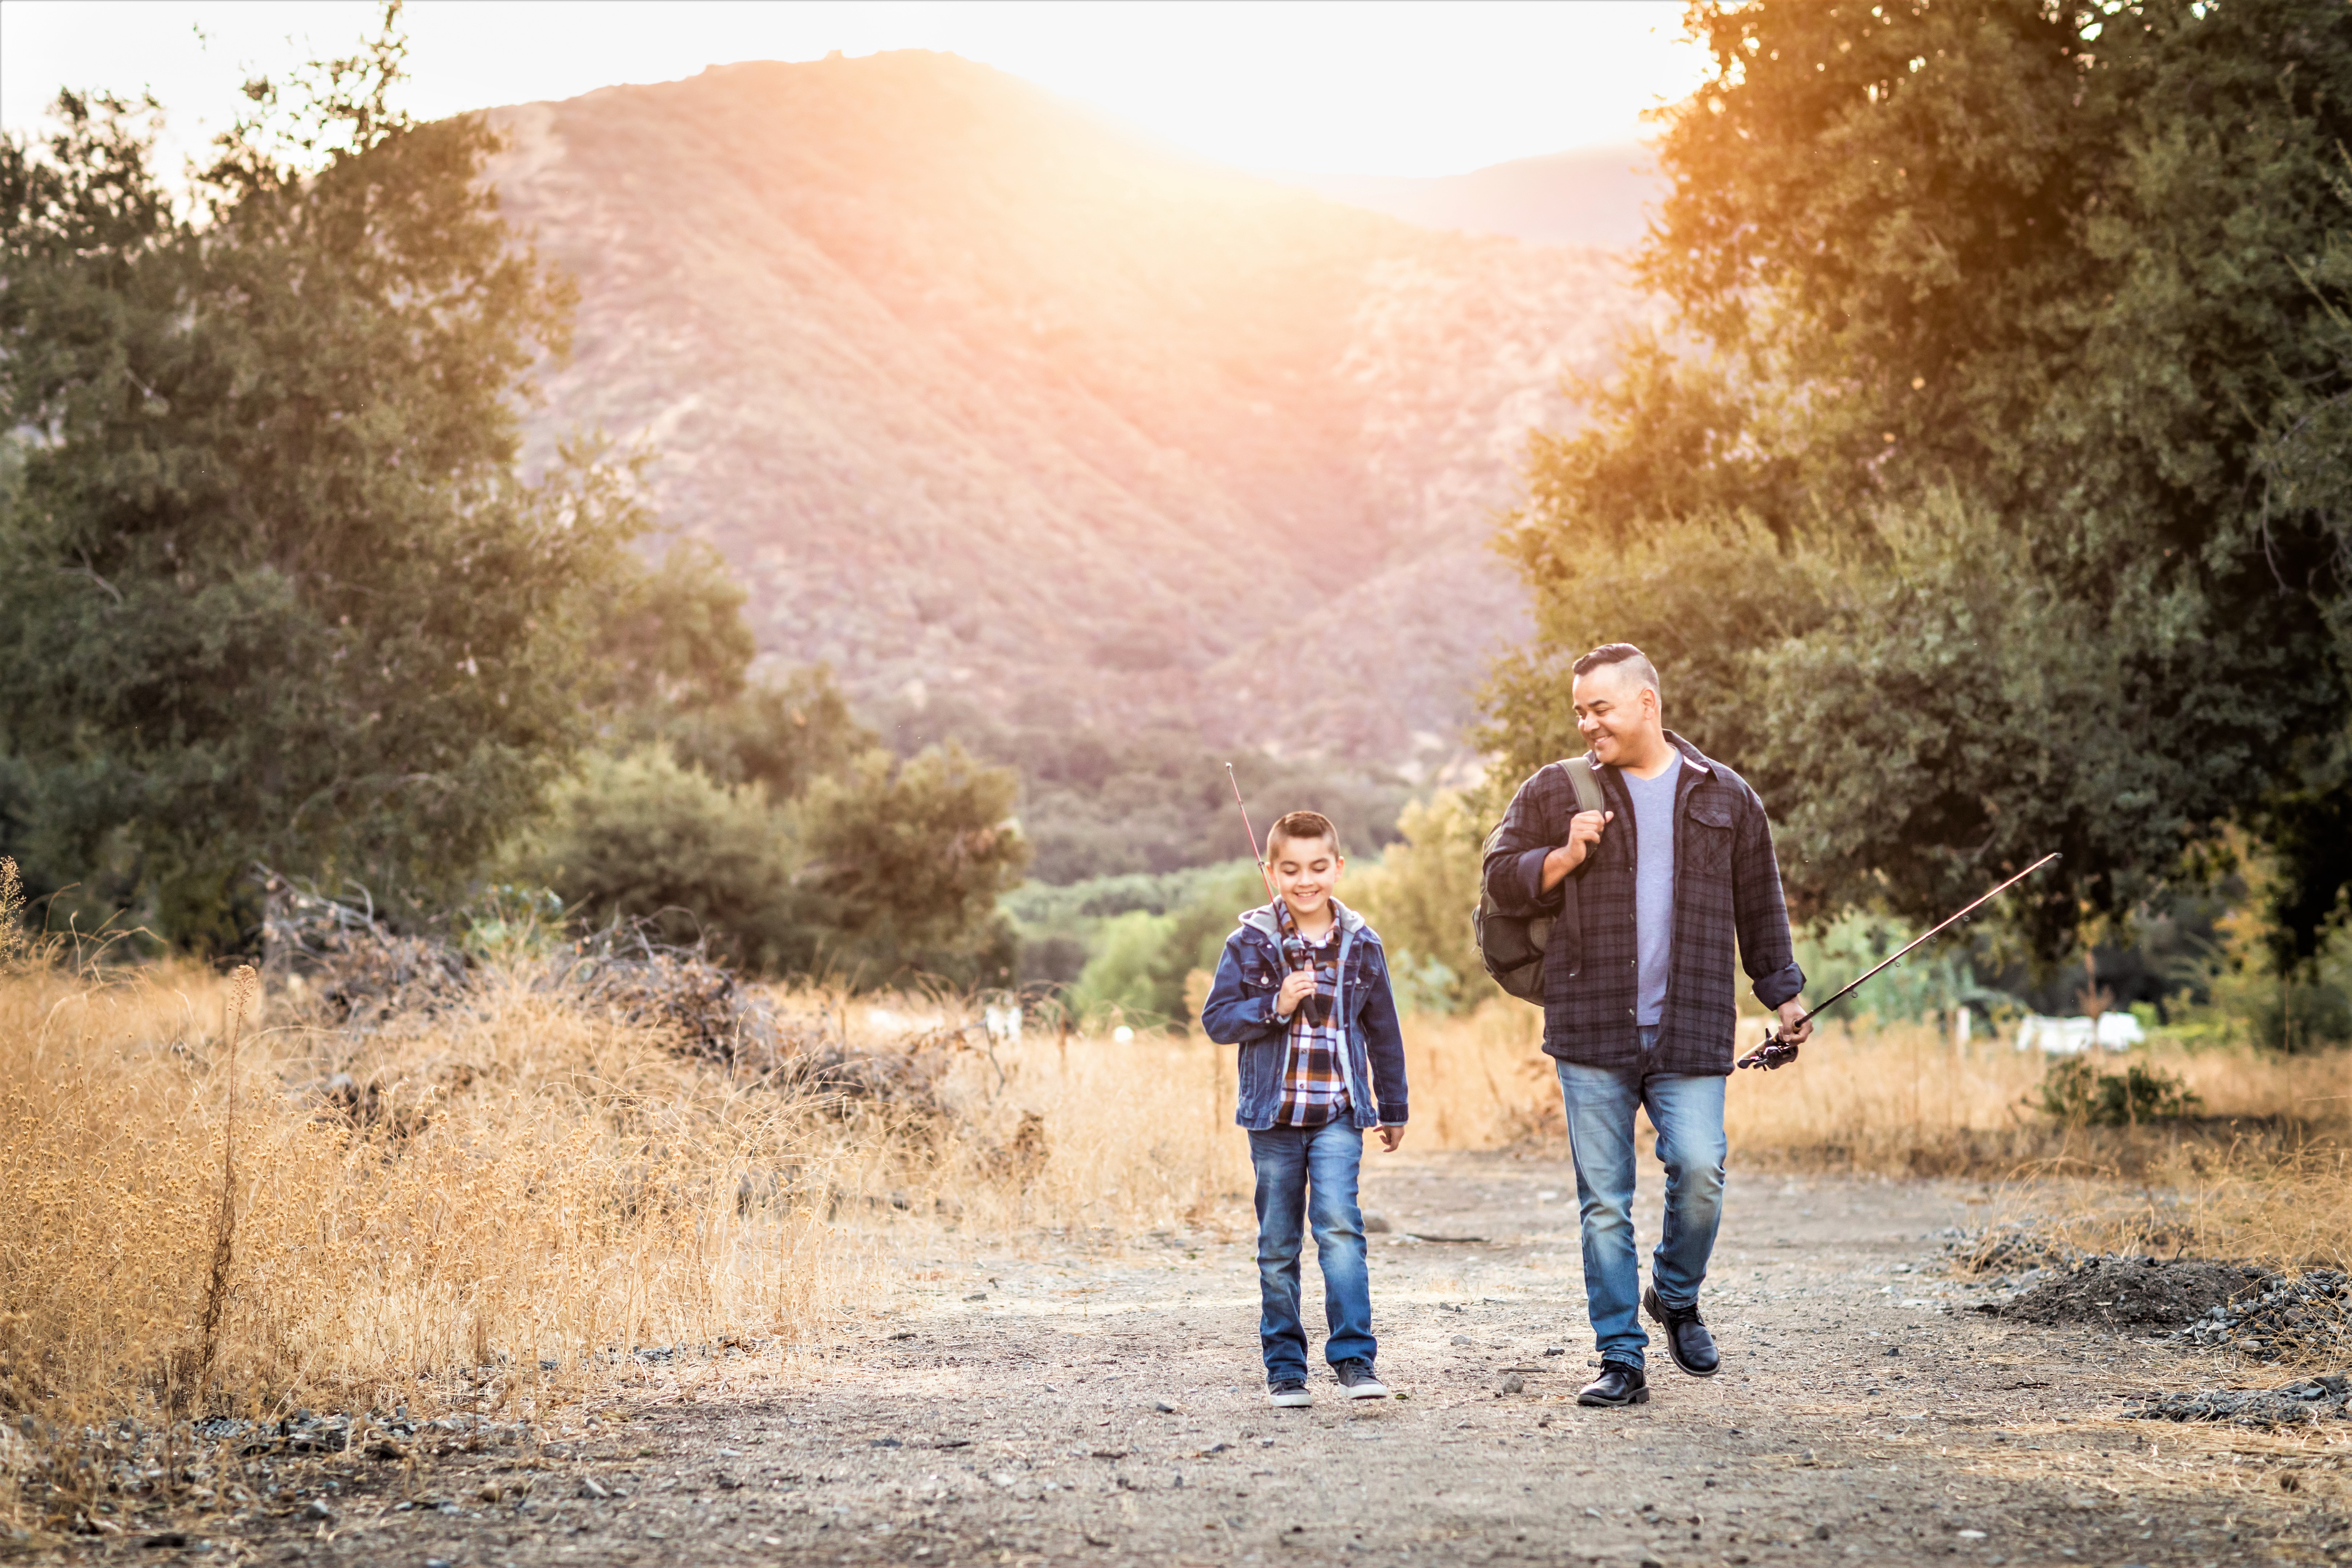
{"points": [[1328, 88]]}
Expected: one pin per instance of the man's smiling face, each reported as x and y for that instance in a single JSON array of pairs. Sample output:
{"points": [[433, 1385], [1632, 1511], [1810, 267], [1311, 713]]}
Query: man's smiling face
{"points": [[1613, 711]]}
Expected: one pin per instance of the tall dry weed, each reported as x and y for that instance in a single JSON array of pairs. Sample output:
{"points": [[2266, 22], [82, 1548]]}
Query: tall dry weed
{"points": [[480, 1209]]}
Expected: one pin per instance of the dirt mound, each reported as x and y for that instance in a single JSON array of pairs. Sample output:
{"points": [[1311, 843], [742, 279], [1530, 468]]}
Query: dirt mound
{"points": [[2314, 1399], [2138, 1294]]}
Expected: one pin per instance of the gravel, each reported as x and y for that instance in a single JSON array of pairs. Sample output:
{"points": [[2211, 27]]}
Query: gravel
{"points": [[2305, 1314], [2315, 1399]]}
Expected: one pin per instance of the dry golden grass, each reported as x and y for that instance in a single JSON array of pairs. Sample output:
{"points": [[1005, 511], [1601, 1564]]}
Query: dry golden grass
{"points": [[528, 1185]]}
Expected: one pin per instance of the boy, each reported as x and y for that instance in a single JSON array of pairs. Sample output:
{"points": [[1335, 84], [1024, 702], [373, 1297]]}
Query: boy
{"points": [[1321, 1059]]}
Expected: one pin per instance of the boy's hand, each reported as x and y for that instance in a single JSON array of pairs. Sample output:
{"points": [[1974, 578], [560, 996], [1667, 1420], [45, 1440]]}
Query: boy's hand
{"points": [[1297, 987], [1390, 1138], [1583, 833]]}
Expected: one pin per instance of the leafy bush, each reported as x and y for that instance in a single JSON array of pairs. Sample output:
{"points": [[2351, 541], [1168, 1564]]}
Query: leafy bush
{"points": [[2077, 1093], [638, 836], [1419, 897]]}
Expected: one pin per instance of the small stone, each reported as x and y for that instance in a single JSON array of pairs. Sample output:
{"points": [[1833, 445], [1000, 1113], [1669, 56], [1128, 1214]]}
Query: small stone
{"points": [[1375, 1223], [590, 1488], [1555, 1350], [1820, 1532], [318, 1509], [1513, 1383], [1462, 1339], [1972, 1535], [980, 1296], [1162, 1406]]}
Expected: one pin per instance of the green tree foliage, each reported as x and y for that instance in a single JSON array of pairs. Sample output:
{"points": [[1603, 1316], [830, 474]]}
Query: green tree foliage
{"points": [[271, 584], [1142, 958], [1963, 514], [906, 862], [1419, 897], [640, 838], [768, 824]]}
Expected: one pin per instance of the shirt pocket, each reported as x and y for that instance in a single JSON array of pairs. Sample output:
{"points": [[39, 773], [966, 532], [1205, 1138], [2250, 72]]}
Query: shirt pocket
{"points": [[1707, 844], [1257, 973]]}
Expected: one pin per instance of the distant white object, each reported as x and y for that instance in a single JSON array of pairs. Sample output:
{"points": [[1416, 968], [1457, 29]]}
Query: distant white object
{"points": [[2073, 1036], [1002, 1023], [1123, 1035], [1960, 1029], [2119, 1031]]}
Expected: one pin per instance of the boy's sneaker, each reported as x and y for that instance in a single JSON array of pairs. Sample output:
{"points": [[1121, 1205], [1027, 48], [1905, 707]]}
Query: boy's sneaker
{"points": [[1287, 1391], [1356, 1377]]}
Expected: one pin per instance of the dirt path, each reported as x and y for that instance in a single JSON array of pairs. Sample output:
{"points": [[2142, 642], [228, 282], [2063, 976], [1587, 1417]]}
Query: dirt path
{"points": [[1065, 1409]]}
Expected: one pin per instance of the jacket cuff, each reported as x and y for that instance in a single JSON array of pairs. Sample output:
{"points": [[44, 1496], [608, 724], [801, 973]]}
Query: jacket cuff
{"points": [[1529, 869], [1780, 985]]}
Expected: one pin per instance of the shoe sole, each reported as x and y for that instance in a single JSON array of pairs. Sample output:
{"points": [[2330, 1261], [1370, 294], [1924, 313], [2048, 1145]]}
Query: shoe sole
{"points": [[1368, 1390], [1639, 1396], [1657, 1310], [1290, 1400]]}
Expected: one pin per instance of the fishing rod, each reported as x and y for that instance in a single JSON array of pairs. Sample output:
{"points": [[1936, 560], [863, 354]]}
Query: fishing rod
{"points": [[1776, 1052], [1294, 945]]}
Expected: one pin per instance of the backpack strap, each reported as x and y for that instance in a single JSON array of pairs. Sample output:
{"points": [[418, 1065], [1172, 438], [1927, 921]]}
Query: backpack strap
{"points": [[1588, 788]]}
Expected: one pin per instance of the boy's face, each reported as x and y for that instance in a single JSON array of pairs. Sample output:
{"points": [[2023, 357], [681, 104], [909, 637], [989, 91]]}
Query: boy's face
{"points": [[1305, 872]]}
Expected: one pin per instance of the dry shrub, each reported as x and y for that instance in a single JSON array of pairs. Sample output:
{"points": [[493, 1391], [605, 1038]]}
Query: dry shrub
{"points": [[1079, 1135], [520, 1183]]}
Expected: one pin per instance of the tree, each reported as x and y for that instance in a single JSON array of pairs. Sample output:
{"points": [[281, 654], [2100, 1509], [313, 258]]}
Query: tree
{"points": [[272, 585], [1419, 897], [1943, 512], [905, 864]]}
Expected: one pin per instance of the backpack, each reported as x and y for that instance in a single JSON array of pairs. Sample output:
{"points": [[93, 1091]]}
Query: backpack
{"points": [[1512, 946]]}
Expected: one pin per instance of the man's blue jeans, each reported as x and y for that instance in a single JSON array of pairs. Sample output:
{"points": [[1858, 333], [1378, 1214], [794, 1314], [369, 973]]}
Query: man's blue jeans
{"points": [[1308, 1175], [1687, 1111]]}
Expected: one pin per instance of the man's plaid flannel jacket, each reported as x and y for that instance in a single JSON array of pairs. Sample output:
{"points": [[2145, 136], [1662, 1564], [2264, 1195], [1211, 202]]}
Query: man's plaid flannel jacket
{"points": [[1726, 883]]}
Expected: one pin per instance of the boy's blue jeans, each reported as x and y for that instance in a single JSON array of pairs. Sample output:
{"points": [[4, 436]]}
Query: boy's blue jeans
{"points": [[1687, 1111], [1308, 1175]]}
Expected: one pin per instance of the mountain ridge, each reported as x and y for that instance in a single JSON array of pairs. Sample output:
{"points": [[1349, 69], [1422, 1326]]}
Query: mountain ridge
{"points": [[982, 395]]}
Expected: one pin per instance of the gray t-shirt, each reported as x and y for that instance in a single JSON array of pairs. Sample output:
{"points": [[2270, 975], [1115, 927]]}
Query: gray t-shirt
{"points": [[1654, 884]]}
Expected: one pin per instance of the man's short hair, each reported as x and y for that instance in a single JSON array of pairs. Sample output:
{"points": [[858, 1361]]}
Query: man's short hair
{"points": [[1637, 664], [1301, 824]]}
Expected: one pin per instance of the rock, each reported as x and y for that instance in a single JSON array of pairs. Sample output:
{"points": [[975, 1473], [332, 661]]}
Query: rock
{"points": [[1820, 1532], [1162, 1406], [1513, 1383], [1555, 1350], [1462, 1339], [1375, 1223], [590, 1488], [980, 1296], [318, 1508]]}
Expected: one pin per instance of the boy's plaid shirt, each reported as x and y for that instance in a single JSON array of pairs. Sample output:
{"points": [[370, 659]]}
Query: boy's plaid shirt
{"points": [[1314, 1084]]}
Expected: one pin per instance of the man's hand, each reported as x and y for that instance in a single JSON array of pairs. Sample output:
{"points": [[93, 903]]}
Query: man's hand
{"points": [[1793, 1032], [1297, 987], [1583, 833], [1390, 1138]]}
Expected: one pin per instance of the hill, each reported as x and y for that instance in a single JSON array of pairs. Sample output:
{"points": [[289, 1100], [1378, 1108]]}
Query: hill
{"points": [[1591, 196], [994, 402]]}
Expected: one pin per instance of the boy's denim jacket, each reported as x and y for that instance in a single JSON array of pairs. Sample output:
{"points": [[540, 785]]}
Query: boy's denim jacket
{"points": [[1240, 1012]]}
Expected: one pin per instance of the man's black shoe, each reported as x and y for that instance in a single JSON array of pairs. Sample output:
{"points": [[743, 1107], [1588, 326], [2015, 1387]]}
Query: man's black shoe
{"points": [[1617, 1384], [1687, 1339]]}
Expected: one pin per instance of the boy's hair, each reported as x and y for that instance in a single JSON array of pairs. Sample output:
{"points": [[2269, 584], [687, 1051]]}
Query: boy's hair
{"points": [[1301, 824]]}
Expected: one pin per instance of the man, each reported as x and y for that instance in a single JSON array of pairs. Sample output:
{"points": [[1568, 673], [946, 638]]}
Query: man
{"points": [[1650, 891]]}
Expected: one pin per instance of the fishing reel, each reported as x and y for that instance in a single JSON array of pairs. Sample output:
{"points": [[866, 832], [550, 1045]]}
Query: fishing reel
{"points": [[1774, 1053]]}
